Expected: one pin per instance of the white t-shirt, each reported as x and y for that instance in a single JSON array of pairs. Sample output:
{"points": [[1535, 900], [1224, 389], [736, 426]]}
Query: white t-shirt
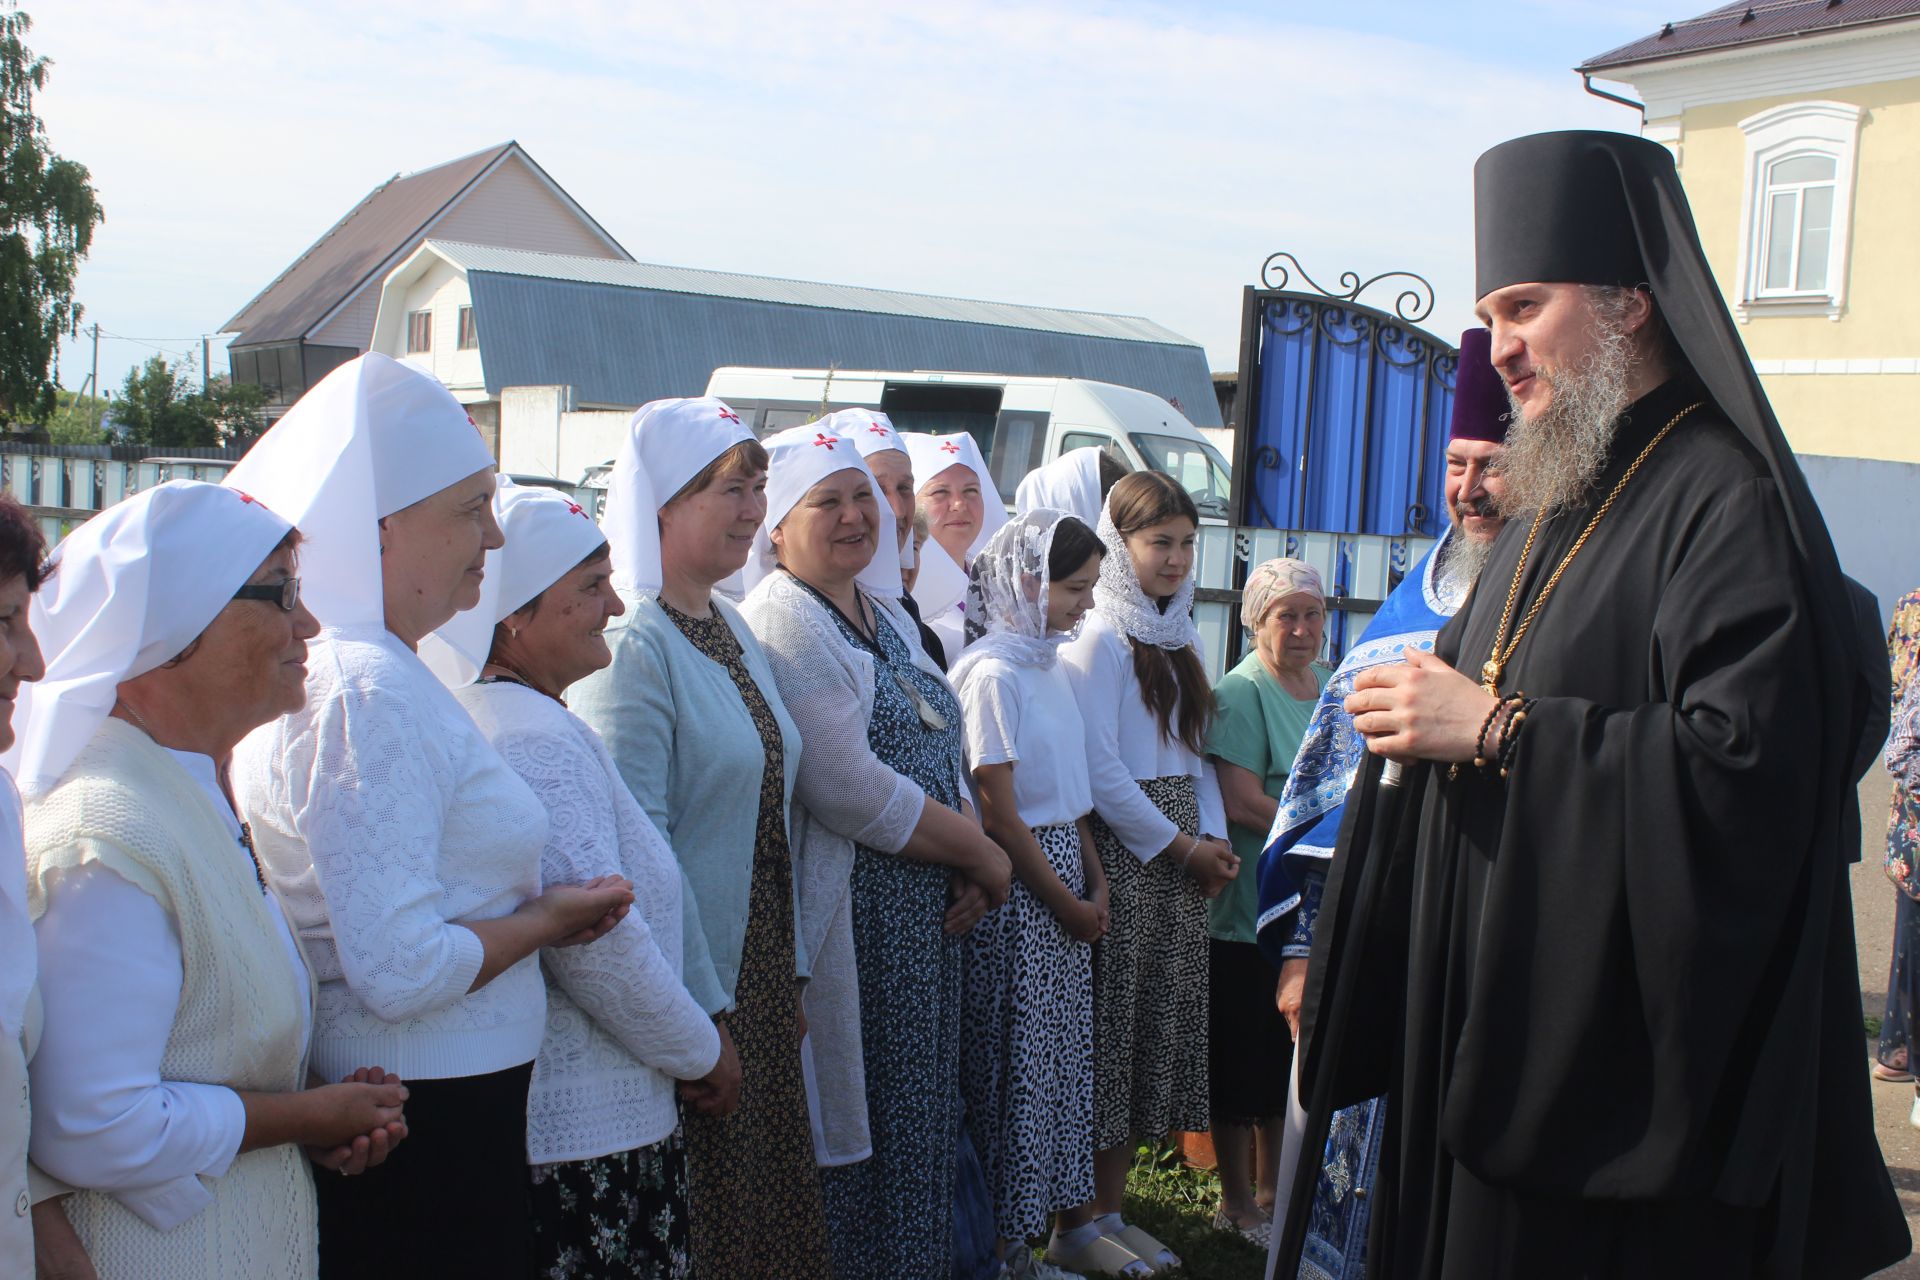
{"points": [[1028, 715]]}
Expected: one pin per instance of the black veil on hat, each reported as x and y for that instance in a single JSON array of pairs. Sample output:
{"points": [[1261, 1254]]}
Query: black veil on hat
{"points": [[1589, 207]]}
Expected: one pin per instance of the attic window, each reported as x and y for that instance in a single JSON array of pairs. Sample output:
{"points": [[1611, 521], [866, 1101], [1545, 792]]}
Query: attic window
{"points": [[419, 332], [469, 332]]}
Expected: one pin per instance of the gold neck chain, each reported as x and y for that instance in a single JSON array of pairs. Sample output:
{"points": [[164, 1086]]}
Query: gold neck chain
{"points": [[1503, 648]]}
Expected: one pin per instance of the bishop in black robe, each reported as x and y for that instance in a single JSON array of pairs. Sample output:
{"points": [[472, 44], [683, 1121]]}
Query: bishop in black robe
{"points": [[1612, 996]]}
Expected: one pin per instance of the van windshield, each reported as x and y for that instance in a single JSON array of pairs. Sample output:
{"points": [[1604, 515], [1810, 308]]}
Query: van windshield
{"points": [[1198, 466]]}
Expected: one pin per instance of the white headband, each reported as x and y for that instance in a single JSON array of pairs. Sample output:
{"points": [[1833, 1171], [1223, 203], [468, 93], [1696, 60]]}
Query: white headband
{"points": [[130, 589], [373, 436], [668, 443], [547, 534]]}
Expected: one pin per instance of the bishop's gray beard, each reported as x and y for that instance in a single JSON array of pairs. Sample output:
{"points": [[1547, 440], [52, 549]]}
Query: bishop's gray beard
{"points": [[1551, 461], [1461, 564]]}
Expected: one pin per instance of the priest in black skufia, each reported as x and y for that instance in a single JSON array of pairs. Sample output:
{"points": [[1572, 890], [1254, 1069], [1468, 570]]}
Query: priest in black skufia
{"points": [[1592, 931]]}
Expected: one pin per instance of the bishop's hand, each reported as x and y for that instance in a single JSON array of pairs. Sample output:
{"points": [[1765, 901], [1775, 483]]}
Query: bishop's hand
{"points": [[1420, 710]]}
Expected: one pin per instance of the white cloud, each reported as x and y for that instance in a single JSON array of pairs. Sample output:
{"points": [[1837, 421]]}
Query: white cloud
{"points": [[1103, 157]]}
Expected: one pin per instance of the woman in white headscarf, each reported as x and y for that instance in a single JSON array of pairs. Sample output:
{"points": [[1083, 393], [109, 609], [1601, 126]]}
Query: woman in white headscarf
{"points": [[885, 453], [171, 1081], [1027, 1065], [885, 846], [407, 851], [609, 1177], [1159, 826], [963, 508], [689, 710], [1076, 482]]}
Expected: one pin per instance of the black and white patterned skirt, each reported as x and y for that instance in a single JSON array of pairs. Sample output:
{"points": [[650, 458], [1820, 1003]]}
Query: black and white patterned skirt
{"points": [[1026, 1066], [1150, 986]]}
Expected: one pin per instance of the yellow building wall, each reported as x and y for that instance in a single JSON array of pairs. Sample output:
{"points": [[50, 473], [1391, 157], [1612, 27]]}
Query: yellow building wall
{"points": [[1855, 414]]}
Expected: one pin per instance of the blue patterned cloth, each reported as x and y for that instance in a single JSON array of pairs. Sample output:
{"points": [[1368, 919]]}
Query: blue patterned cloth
{"points": [[1308, 821], [1293, 874]]}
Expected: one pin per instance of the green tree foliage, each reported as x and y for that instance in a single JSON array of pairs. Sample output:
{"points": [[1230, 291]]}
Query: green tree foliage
{"points": [[77, 419], [48, 210], [158, 405]]}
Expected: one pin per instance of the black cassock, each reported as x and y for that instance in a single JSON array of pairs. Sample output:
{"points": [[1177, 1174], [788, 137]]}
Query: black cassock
{"points": [[1614, 997]]}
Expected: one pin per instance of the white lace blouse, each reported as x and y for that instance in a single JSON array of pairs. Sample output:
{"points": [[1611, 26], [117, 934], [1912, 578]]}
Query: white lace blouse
{"points": [[384, 819], [621, 1025]]}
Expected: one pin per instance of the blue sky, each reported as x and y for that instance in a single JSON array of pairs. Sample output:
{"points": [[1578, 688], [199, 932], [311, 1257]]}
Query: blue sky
{"points": [[1131, 157]]}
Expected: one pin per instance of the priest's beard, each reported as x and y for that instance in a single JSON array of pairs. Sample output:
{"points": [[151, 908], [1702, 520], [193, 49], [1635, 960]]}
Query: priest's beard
{"points": [[1552, 460], [1464, 559]]}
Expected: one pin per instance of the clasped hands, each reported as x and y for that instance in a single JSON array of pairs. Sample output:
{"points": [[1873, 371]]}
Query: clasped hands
{"points": [[360, 1120], [1421, 709]]}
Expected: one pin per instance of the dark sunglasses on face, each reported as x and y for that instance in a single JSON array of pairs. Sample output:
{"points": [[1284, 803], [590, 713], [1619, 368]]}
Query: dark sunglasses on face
{"points": [[285, 593]]}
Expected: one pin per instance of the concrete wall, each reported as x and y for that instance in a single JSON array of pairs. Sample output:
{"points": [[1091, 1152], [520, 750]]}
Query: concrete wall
{"points": [[1873, 511], [542, 434]]}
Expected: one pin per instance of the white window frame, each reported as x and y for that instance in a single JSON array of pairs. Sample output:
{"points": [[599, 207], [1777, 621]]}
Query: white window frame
{"points": [[1827, 129]]}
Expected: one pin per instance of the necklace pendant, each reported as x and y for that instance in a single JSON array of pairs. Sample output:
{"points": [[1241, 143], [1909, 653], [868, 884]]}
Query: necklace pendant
{"points": [[1490, 675]]}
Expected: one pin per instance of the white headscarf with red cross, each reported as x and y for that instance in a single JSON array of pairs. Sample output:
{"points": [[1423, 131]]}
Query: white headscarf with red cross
{"points": [[547, 534], [798, 459]]}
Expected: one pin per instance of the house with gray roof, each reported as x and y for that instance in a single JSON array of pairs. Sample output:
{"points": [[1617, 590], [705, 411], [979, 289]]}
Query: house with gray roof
{"points": [[492, 323], [319, 312]]}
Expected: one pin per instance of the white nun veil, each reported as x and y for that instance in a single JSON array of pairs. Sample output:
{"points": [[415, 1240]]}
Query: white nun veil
{"points": [[129, 590], [372, 437]]}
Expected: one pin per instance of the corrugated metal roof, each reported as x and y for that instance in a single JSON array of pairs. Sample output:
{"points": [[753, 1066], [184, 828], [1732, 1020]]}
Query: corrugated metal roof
{"points": [[621, 344], [1732, 25], [341, 260], [802, 293]]}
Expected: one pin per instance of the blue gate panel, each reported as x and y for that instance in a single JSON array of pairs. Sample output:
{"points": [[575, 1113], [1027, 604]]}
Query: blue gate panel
{"points": [[1349, 418]]}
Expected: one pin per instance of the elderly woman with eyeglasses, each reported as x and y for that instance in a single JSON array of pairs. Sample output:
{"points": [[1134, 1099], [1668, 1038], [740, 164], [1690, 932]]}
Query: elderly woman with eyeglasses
{"points": [[171, 1083]]}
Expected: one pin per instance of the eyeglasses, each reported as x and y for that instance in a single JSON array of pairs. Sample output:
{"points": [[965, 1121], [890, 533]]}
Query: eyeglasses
{"points": [[285, 593]]}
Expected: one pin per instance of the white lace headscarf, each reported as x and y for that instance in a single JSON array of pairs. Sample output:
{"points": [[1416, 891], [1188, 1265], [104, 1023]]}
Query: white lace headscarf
{"points": [[1007, 596], [1119, 597]]}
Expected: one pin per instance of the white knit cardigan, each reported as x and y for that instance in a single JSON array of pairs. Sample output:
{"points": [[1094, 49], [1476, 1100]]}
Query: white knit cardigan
{"points": [[621, 1025], [845, 795], [129, 806]]}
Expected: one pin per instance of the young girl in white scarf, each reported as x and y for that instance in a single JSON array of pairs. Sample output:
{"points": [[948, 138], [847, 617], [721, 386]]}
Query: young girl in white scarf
{"points": [[1145, 702], [1027, 1022]]}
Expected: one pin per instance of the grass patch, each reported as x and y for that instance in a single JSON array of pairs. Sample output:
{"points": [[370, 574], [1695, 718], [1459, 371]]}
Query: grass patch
{"points": [[1873, 1026], [1175, 1203]]}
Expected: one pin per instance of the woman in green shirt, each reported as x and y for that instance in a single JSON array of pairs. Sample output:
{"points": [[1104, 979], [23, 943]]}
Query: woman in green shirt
{"points": [[1264, 705]]}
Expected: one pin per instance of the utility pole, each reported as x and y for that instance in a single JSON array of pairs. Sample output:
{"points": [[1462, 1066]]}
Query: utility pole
{"points": [[94, 377], [206, 362]]}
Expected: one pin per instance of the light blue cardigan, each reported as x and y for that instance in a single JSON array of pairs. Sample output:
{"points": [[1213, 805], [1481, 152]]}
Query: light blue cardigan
{"points": [[681, 737]]}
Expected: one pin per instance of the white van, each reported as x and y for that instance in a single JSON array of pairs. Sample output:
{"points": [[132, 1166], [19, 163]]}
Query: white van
{"points": [[1021, 422]]}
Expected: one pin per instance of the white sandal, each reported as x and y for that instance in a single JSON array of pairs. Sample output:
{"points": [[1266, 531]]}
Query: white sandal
{"points": [[1101, 1256]]}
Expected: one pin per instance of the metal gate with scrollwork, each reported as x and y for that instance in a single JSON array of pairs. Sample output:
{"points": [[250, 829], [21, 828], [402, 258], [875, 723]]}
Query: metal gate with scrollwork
{"points": [[1340, 427], [1341, 411]]}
